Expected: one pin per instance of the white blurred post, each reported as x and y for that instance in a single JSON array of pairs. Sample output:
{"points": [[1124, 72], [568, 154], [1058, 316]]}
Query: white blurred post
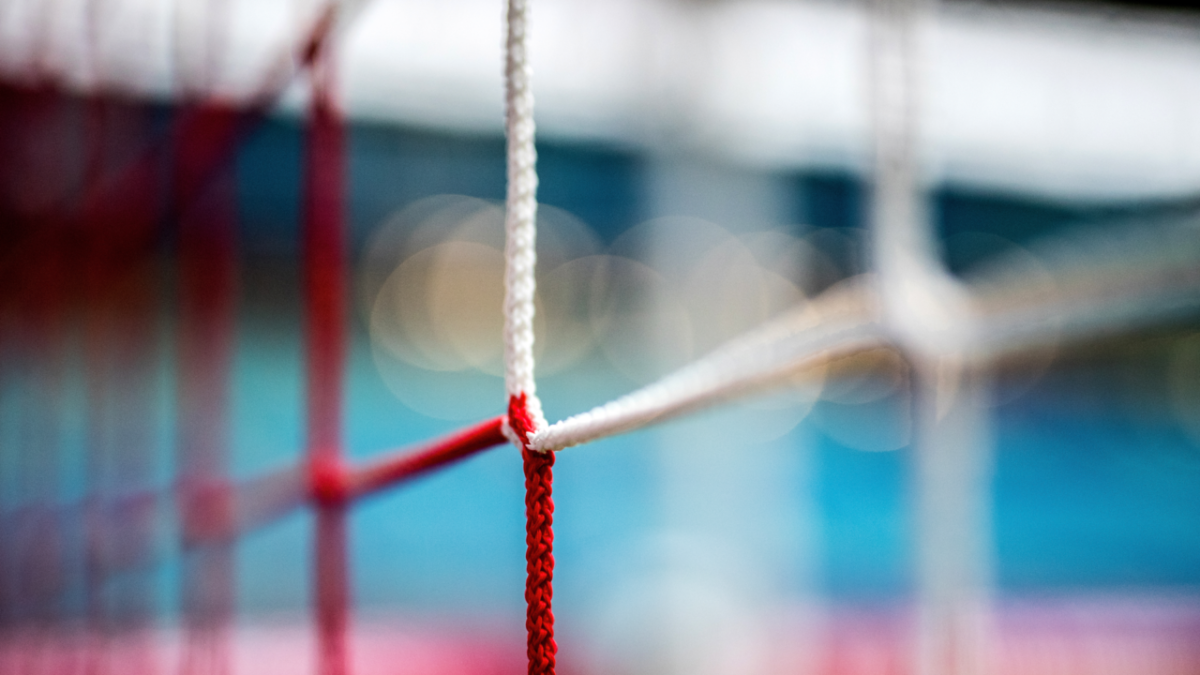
{"points": [[928, 314], [736, 531]]}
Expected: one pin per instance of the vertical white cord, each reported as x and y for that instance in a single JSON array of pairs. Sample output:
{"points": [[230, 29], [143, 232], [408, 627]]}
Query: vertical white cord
{"points": [[930, 315], [520, 218], [899, 235]]}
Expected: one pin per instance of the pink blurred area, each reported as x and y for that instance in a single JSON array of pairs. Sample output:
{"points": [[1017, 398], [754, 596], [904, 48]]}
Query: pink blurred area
{"points": [[268, 647], [1061, 636]]}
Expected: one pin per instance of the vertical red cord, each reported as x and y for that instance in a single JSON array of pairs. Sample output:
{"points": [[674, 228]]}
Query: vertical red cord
{"points": [[120, 341], [324, 269], [325, 297], [539, 543], [36, 270], [333, 598], [205, 201]]}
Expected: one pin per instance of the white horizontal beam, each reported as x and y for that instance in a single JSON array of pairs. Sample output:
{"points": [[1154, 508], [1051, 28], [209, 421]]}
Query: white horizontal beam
{"points": [[1031, 100]]}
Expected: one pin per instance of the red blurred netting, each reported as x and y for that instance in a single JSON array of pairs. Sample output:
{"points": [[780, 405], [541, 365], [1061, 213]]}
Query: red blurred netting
{"points": [[95, 248]]}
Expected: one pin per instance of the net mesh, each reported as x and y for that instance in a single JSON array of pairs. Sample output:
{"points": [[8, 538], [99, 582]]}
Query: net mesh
{"points": [[94, 251]]}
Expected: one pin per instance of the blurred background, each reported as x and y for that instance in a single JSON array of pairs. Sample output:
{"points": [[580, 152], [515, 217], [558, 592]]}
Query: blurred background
{"points": [[704, 165]]}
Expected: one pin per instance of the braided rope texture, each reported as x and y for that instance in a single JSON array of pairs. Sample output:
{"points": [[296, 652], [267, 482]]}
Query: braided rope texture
{"points": [[840, 322], [539, 542], [520, 211], [524, 409]]}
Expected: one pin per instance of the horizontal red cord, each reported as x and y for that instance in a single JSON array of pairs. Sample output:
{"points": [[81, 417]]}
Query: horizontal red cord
{"points": [[404, 465], [215, 510], [263, 499]]}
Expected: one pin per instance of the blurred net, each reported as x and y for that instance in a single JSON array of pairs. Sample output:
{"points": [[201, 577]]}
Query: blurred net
{"points": [[86, 230]]}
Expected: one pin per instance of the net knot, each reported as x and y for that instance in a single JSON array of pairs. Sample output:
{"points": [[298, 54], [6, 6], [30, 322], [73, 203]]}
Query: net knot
{"points": [[327, 480]]}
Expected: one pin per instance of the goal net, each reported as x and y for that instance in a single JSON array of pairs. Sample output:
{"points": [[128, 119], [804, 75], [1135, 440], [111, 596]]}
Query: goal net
{"points": [[794, 337]]}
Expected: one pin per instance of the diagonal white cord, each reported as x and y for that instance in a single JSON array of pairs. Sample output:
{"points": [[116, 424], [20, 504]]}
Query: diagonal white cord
{"points": [[1092, 284], [1009, 314], [520, 218], [835, 325], [844, 322]]}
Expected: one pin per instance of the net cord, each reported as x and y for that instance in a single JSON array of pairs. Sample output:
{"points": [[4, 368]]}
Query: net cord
{"points": [[520, 218], [1095, 292], [524, 409], [837, 325]]}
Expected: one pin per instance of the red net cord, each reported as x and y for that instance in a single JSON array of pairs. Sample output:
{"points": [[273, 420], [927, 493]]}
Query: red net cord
{"points": [[539, 543], [35, 276], [205, 199], [386, 472], [324, 261], [120, 342]]}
